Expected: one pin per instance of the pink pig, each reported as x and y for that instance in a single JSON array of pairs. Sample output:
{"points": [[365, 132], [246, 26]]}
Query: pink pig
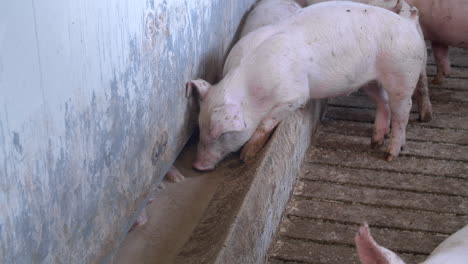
{"points": [[326, 50], [444, 23], [268, 12], [453, 250], [402, 8]]}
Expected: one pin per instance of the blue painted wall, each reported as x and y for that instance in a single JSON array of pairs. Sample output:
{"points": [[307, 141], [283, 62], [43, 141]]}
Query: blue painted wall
{"points": [[93, 113]]}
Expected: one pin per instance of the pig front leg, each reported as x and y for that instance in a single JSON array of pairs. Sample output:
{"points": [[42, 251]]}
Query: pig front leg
{"points": [[442, 62], [259, 139], [266, 128], [382, 115]]}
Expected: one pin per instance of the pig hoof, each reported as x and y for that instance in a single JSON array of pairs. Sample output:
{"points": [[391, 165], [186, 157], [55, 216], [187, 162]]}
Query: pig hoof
{"points": [[389, 157], [173, 175], [426, 117], [136, 225], [375, 144], [437, 81]]}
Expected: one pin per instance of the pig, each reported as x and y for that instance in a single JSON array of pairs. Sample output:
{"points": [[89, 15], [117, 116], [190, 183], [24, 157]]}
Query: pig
{"points": [[173, 175], [268, 12], [444, 23], [402, 8], [453, 250], [142, 218], [326, 50]]}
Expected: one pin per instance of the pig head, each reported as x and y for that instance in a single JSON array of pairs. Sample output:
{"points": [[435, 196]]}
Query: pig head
{"points": [[224, 128]]}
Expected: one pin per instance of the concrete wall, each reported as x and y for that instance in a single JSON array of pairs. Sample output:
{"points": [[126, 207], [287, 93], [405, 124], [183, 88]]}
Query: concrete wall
{"points": [[92, 114]]}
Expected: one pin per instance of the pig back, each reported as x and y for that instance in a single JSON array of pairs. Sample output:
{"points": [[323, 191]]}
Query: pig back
{"points": [[269, 12], [444, 21]]}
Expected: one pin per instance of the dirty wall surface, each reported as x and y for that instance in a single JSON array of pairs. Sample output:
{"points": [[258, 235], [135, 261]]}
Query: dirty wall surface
{"points": [[92, 114]]}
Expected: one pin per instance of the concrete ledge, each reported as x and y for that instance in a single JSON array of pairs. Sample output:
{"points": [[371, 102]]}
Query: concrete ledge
{"points": [[245, 211]]}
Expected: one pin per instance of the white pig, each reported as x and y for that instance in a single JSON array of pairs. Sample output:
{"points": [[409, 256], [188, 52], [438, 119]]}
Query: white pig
{"points": [[453, 250], [326, 50], [444, 23], [268, 12], [402, 8]]}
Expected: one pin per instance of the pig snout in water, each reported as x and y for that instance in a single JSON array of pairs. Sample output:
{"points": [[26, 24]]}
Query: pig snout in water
{"points": [[223, 128]]}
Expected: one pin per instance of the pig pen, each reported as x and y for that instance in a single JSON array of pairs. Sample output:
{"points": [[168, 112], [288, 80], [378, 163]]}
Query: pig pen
{"points": [[411, 204], [227, 215]]}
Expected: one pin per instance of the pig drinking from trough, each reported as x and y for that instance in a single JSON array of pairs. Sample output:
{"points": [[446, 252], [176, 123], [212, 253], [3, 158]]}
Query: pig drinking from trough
{"points": [[326, 50]]}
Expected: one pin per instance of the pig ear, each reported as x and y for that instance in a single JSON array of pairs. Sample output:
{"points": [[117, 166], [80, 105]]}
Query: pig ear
{"points": [[200, 85], [227, 118], [370, 252], [414, 12]]}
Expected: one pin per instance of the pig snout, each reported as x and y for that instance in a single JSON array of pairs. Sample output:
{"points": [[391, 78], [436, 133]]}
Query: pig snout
{"points": [[205, 160], [201, 165]]}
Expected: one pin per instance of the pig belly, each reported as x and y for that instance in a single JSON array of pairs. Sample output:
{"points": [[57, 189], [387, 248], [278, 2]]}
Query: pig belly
{"points": [[334, 88], [343, 79]]}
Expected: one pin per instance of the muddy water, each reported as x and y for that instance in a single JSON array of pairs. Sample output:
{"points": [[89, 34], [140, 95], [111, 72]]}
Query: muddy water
{"points": [[174, 214]]}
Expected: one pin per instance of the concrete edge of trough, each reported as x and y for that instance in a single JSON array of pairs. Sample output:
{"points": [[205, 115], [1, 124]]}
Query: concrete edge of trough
{"points": [[241, 219]]}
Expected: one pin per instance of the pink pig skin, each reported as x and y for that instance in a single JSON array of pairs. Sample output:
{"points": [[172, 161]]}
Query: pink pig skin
{"points": [[453, 250], [444, 23], [326, 50]]}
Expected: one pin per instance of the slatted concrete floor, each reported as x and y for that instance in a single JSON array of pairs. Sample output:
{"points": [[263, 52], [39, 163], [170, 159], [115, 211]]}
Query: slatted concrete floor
{"points": [[412, 203]]}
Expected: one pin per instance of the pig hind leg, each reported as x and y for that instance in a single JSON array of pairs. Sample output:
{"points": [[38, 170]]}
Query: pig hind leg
{"points": [[400, 90], [442, 62], [422, 98], [400, 106], [382, 115]]}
